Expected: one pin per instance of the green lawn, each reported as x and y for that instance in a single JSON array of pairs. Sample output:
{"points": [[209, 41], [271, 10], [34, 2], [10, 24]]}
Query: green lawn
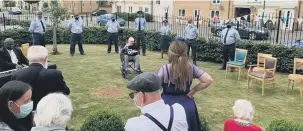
{"points": [[98, 70]]}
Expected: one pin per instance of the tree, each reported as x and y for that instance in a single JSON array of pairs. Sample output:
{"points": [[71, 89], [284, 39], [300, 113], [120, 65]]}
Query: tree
{"points": [[58, 14]]}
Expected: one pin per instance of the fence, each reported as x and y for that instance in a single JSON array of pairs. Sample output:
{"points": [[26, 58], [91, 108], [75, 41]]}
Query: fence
{"points": [[275, 29]]}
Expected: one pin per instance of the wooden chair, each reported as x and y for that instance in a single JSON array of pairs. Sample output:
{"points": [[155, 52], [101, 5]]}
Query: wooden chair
{"points": [[238, 63], [261, 60], [24, 48], [298, 65], [266, 74]]}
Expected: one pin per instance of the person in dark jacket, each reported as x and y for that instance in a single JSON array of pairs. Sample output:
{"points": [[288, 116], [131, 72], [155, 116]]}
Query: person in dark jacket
{"points": [[131, 53], [15, 104], [11, 57], [42, 80]]}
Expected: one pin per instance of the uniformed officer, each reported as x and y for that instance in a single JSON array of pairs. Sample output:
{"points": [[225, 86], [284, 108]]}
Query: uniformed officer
{"points": [[76, 27], [165, 37], [112, 27], [191, 34], [37, 29], [140, 26], [229, 38], [156, 115]]}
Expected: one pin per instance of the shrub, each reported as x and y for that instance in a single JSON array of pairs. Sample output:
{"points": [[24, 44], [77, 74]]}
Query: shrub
{"points": [[103, 121], [284, 125], [204, 124], [133, 16]]}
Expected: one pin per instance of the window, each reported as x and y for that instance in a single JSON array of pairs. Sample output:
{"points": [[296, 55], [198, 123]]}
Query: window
{"points": [[118, 8], [181, 12], [216, 1], [140, 8], [158, 2], [197, 12], [254, 1], [146, 10], [214, 12], [130, 9]]}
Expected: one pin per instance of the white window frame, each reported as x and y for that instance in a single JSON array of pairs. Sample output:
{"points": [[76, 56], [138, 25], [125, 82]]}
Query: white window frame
{"points": [[119, 8], [130, 9], [140, 8], [254, 1], [196, 13], [215, 12], [216, 1], [180, 14]]}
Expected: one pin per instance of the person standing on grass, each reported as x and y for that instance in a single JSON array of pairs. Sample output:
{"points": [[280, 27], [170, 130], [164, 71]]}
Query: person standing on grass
{"points": [[140, 27], [38, 29], [76, 27], [191, 34], [229, 38], [176, 78], [165, 37], [112, 27]]}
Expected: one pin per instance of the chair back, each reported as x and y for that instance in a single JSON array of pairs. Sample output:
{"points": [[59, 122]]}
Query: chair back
{"points": [[270, 63], [24, 48], [298, 64], [240, 55], [261, 59]]}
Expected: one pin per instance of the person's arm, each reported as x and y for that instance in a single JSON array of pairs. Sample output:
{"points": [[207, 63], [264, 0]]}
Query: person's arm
{"points": [[161, 73], [5, 65], [32, 27], [237, 36], [61, 85], [70, 25], [23, 59], [118, 25], [197, 33], [205, 81]]}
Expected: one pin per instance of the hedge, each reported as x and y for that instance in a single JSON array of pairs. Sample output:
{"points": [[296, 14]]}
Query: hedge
{"points": [[284, 125], [204, 123], [103, 120], [133, 16], [207, 50]]}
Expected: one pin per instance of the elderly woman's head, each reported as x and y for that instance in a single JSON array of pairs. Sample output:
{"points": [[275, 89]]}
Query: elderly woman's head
{"points": [[9, 43], [53, 109], [243, 109]]}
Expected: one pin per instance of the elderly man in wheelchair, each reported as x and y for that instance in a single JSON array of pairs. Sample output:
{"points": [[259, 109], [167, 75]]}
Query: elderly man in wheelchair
{"points": [[130, 53]]}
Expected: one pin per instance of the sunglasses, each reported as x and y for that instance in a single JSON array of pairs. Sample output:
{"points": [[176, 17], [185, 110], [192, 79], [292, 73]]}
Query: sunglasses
{"points": [[132, 95]]}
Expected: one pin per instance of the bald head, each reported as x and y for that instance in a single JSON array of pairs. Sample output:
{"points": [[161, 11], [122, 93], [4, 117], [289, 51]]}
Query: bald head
{"points": [[9, 43], [131, 40], [37, 54]]}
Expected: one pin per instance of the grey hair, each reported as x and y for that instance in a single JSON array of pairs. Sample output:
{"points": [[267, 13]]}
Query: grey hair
{"points": [[39, 13], [37, 54], [8, 41], [243, 109], [53, 109]]}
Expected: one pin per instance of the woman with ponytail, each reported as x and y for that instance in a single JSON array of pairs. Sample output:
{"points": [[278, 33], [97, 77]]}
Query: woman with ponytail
{"points": [[177, 77]]}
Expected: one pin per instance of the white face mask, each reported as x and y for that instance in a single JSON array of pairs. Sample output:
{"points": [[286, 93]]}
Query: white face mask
{"points": [[189, 25], [137, 105]]}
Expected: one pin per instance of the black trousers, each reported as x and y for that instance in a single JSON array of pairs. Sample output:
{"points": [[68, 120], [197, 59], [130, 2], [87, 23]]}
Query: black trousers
{"points": [[228, 53], [140, 39], [76, 39], [192, 43], [38, 39], [112, 39]]}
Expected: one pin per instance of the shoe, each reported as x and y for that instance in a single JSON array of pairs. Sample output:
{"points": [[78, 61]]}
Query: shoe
{"points": [[222, 68], [144, 54], [71, 54], [128, 72], [108, 52], [83, 54]]}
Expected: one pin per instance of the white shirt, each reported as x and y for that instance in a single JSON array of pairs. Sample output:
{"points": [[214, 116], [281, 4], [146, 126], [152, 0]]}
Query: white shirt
{"points": [[76, 26], [13, 56], [36, 26], [232, 36], [112, 27], [160, 111]]}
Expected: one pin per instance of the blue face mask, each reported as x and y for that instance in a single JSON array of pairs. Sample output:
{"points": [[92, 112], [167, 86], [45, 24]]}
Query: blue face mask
{"points": [[25, 110]]}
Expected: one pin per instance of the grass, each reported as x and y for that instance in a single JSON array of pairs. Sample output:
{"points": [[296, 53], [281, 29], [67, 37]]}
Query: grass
{"points": [[97, 70]]}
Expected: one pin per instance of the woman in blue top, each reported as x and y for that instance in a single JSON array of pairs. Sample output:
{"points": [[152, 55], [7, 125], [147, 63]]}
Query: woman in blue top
{"points": [[177, 78]]}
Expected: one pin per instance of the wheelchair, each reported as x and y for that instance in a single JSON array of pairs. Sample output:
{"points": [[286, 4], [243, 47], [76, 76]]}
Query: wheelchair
{"points": [[124, 72]]}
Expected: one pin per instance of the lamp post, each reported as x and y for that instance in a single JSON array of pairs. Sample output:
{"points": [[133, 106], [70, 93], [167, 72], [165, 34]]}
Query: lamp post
{"points": [[262, 22], [166, 12]]}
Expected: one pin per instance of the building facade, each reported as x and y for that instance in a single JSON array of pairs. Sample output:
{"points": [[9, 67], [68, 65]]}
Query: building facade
{"points": [[161, 7], [84, 6], [131, 6]]}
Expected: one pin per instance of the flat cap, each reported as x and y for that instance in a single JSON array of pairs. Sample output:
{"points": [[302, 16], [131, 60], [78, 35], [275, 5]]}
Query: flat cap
{"points": [[145, 82]]}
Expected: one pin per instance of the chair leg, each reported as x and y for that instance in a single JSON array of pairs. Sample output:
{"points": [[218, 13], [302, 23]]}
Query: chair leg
{"points": [[293, 83], [288, 84], [239, 73], [263, 83], [248, 82]]}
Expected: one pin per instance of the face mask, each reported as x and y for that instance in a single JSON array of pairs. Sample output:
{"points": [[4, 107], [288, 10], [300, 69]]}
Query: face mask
{"points": [[25, 110], [136, 103], [228, 26], [113, 20], [76, 18]]}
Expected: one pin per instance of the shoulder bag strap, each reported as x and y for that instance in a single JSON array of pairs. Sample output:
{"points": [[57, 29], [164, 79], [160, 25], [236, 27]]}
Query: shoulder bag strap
{"points": [[155, 121], [171, 119]]}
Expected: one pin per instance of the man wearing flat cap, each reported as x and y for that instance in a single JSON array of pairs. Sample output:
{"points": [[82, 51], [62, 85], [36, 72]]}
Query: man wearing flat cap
{"points": [[156, 115], [11, 57], [140, 27]]}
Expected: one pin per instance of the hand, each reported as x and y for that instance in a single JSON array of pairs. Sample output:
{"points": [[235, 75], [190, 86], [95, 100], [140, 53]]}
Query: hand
{"points": [[19, 66], [191, 93]]}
